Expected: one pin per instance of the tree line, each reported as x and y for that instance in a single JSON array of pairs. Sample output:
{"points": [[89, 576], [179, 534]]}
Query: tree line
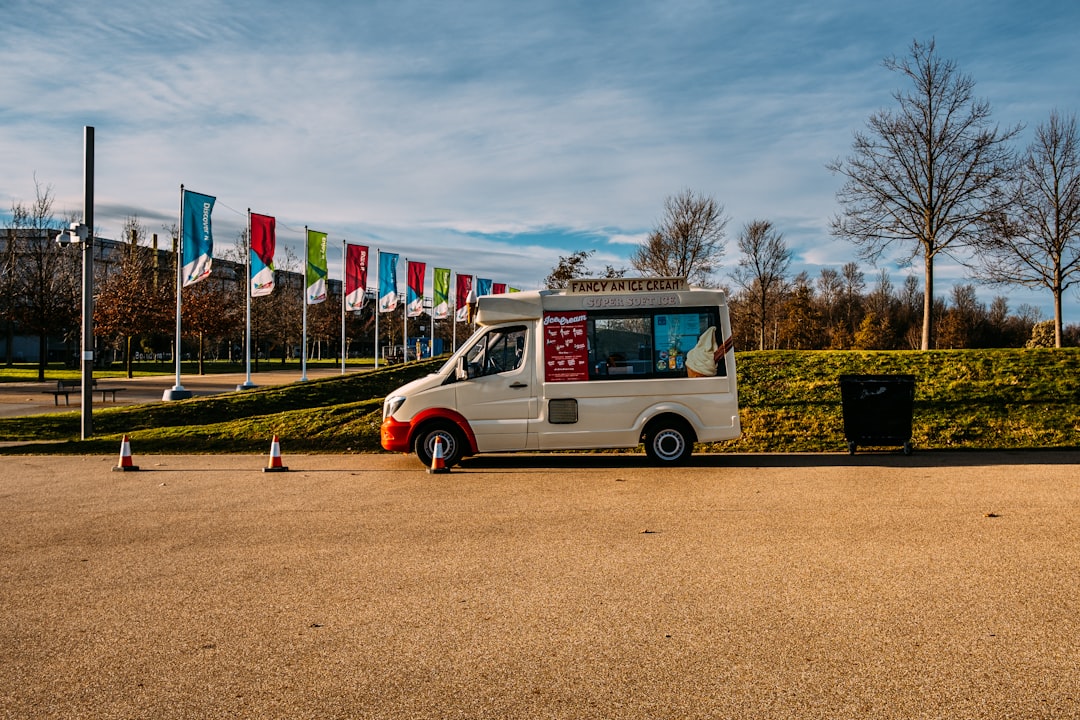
{"points": [[931, 177]]}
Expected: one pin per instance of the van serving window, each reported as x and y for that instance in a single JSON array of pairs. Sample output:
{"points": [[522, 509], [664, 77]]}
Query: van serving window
{"points": [[654, 343]]}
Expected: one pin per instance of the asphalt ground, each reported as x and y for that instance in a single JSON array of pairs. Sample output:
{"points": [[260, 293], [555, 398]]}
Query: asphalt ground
{"points": [[940, 585]]}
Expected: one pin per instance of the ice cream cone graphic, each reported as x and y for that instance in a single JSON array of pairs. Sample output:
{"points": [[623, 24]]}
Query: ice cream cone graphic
{"points": [[700, 361]]}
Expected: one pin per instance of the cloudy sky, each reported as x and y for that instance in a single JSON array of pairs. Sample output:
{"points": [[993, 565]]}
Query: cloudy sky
{"points": [[492, 136]]}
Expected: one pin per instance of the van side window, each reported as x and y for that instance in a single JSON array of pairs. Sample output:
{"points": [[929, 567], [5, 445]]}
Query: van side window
{"points": [[498, 351], [620, 345], [654, 343]]}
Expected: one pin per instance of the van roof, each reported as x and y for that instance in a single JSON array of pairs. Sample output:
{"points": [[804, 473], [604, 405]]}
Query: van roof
{"points": [[530, 305]]}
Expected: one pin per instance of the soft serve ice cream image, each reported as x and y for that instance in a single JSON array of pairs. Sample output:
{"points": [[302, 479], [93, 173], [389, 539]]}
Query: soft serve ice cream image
{"points": [[701, 360]]}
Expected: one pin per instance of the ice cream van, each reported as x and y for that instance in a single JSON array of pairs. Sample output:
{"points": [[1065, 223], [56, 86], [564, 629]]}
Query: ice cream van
{"points": [[605, 363]]}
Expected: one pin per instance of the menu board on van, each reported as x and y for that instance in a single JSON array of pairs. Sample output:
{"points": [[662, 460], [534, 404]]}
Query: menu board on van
{"points": [[566, 349]]}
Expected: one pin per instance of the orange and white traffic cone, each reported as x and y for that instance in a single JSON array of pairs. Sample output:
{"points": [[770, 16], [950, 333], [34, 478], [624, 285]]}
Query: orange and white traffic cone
{"points": [[125, 457], [438, 462], [275, 458]]}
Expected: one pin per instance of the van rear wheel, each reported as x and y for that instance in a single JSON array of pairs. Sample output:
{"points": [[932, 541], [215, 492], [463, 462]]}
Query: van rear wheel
{"points": [[669, 443], [453, 443]]}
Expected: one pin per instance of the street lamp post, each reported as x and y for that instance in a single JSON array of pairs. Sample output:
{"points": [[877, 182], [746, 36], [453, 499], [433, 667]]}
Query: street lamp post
{"points": [[83, 234]]}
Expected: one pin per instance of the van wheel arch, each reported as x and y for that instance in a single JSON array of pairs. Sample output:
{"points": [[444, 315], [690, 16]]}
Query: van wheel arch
{"points": [[669, 439], [455, 444]]}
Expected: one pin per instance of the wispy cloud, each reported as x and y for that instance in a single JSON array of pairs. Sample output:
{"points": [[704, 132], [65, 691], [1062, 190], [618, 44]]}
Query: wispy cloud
{"points": [[497, 134]]}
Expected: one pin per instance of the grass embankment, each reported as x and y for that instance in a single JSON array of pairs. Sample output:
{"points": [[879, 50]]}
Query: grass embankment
{"points": [[789, 401], [336, 414], [971, 399]]}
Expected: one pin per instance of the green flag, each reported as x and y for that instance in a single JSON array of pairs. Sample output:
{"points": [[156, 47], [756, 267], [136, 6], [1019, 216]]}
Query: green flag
{"points": [[441, 285], [316, 267]]}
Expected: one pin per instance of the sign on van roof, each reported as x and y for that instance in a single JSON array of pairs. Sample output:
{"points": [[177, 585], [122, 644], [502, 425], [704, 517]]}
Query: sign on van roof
{"points": [[603, 286]]}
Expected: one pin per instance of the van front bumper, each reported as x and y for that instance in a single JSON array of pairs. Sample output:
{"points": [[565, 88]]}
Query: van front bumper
{"points": [[394, 435]]}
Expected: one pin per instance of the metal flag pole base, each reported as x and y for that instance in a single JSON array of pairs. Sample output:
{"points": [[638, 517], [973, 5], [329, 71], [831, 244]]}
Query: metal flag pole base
{"points": [[246, 386], [176, 392]]}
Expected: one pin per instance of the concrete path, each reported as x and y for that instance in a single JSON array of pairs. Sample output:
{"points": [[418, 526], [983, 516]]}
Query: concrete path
{"points": [[31, 398], [942, 585]]}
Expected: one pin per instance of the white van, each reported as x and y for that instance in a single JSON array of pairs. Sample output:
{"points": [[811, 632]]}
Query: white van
{"points": [[605, 363]]}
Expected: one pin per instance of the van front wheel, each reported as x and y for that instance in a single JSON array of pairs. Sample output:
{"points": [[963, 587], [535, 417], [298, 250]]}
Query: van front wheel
{"points": [[453, 444], [669, 443]]}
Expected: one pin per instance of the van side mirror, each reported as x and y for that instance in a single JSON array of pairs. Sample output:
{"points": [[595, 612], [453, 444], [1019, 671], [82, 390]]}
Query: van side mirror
{"points": [[461, 372]]}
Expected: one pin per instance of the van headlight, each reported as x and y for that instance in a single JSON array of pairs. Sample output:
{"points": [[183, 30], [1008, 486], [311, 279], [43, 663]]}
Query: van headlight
{"points": [[391, 405]]}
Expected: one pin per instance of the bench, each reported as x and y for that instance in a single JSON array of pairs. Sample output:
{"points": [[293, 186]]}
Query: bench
{"points": [[66, 387]]}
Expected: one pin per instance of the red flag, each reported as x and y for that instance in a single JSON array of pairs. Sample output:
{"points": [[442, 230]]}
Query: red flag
{"points": [[415, 295], [464, 285], [356, 265], [263, 245], [498, 288]]}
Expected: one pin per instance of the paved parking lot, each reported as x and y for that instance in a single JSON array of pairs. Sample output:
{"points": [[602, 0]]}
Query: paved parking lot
{"points": [[34, 398], [788, 586]]}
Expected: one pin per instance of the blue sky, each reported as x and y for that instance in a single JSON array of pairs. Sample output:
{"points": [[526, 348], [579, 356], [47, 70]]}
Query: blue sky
{"points": [[488, 136]]}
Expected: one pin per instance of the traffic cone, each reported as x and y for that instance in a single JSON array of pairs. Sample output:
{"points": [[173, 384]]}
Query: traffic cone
{"points": [[275, 458], [125, 457], [438, 463]]}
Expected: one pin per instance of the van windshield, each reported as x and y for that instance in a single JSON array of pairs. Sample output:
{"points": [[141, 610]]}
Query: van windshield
{"points": [[498, 351]]}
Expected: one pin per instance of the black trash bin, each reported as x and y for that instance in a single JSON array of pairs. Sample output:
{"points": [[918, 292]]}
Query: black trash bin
{"points": [[877, 410]]}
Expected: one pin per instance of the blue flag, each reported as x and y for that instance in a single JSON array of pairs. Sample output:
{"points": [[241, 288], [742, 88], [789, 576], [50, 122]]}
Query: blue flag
{"points": [[483, 287], [197, 243], [387, 281]]}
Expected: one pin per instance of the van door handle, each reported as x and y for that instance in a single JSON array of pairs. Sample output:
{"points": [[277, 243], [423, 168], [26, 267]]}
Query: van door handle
{"points": [[517, 385]]}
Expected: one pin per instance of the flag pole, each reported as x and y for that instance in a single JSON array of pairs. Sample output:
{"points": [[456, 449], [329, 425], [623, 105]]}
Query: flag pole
{"points": [[247, 302], [177, 391], [344, 273], [304, 299], [405, 317], [378, 256]]}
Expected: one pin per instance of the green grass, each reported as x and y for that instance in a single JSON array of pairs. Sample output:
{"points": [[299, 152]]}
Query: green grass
{"points": [[336, 414], [789, 402], [972, 399]]}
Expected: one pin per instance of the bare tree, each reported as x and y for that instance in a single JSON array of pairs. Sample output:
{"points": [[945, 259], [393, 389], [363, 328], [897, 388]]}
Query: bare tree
{"points": [[324, 326], [211, 312], [688, 242], [8, 268], [44, 287], [211, 309], [285, 306], [877, 330], [1036, 241], [829, 291], [927, 174], [129, 301], [882, 299], [964, 323], [573, 266], [911, 301], [852, 301], [801, 324], [762, 267]]}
